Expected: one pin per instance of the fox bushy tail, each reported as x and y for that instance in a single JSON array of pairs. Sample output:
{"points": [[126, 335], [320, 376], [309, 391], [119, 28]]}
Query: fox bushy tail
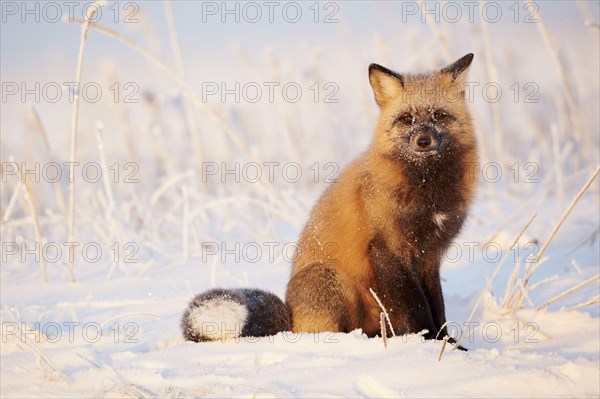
{"points": [[221, 314]]}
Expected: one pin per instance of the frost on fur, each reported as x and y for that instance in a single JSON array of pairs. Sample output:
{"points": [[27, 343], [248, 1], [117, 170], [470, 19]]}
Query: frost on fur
{"points": [[217, 319], [218, 315]]}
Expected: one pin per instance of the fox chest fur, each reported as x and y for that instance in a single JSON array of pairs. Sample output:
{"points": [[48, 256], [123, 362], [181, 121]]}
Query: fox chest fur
{"points": [[418, 215]]}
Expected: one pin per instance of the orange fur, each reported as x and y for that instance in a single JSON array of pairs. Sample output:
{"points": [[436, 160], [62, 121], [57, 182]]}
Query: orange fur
{"points": [[372, 197]]}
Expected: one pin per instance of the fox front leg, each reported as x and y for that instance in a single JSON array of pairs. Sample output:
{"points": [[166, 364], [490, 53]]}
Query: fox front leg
{"points": [[432, 287], [401, 293]]}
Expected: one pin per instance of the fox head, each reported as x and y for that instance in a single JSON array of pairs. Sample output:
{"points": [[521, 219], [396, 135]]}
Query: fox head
{"points": [[424, 117]]}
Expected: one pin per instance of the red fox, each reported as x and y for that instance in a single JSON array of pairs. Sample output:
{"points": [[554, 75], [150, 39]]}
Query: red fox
{"points": [[391, 215]]}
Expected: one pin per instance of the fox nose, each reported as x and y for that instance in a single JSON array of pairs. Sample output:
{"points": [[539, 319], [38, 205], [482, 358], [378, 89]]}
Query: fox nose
{"points": [[424, 141]]}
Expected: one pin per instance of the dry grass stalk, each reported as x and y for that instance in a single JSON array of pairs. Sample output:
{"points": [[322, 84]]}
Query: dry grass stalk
{"points": [[574, 262], [288, 118], [525, 295], [186, 222], [187, 107], [568, 292], [91, 12], [123, 118], [488, 285], [542, 282], [104, 165], [492, 75], [383, 329], [387, 316], [586, 13], [42, 132], [516, 292], [274, 196], [11, 202], [192, 95], [560, 185], [113, 223], [511, 286], [189, 91], [573, 113], [515, 300], [546, 189], [437, 32], [588, 303], [44, 360], [443, 348], [128, 388], [559, 224], [29, 198]]}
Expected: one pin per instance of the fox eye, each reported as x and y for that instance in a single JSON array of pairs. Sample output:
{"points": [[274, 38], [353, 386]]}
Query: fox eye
{"points": [[440, 116], [406, 119]]}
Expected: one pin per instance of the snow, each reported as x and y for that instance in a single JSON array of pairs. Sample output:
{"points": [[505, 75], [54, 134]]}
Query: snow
{"points": [[316, 365], [179, 228]]}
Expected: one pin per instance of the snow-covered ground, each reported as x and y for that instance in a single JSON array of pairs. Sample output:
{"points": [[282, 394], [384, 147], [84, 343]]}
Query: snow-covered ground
{"points": [[171, 216]]}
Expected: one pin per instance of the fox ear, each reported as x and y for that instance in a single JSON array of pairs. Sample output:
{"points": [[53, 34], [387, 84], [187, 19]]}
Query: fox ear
{"points": [[386, 84], [459, 67]]}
